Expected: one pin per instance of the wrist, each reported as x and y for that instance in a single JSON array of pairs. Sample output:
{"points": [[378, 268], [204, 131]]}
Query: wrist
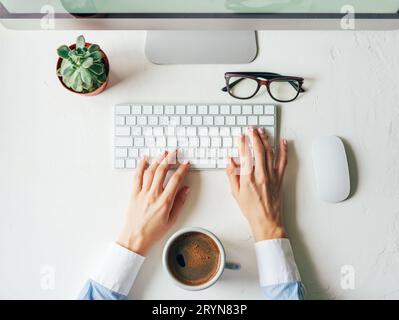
{"points": [[267, 232], [134, 243]]}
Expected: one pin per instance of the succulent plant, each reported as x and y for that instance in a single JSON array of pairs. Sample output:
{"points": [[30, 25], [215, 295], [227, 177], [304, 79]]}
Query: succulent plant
{"points": [[83, 68]]}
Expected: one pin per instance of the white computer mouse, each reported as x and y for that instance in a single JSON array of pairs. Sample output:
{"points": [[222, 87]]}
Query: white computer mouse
{"points": [[331, 169]]}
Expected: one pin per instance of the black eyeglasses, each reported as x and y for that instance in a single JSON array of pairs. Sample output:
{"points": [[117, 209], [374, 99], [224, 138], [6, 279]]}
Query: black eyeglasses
{"points": [[245, 85]]}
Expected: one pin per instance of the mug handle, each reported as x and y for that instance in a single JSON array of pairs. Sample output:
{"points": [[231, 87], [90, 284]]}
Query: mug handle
{"points": [[232, 265]]}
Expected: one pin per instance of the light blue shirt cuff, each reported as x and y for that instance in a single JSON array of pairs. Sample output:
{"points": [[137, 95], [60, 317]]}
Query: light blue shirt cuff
{"points": [[276, 263], [118, 270]]}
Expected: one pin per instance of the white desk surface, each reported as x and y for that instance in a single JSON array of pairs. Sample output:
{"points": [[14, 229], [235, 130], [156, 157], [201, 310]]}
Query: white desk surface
{"points": [[62, 203]]}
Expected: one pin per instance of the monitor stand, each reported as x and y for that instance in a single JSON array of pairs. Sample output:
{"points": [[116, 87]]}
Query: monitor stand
{"points": [[201, 47]]}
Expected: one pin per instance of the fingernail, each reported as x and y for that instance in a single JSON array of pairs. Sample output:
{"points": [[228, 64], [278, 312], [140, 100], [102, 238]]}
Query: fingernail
{"points": [[260, 130], [285, 142], [185, 162], [187, 191]]}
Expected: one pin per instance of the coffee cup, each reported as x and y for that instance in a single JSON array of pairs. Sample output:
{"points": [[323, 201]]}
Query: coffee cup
{"points": [[195, 258]]}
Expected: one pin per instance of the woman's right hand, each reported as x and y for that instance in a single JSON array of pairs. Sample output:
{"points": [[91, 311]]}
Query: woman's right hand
{"points": [[257, 187]]}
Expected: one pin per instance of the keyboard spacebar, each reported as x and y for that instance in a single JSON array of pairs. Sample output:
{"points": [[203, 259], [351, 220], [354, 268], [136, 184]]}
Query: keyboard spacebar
{"points": [[199, 165]]}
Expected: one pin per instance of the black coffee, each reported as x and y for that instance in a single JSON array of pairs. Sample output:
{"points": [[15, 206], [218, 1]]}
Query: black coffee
{"points": [[193, 258]]}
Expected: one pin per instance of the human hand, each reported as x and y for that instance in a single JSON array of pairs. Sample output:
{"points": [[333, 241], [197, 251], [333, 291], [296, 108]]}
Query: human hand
{"points": [[258, 188], [154, 206]]}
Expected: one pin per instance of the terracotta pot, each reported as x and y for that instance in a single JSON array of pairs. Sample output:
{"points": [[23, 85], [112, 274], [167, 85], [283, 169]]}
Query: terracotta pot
{"points": [[99, 89]]}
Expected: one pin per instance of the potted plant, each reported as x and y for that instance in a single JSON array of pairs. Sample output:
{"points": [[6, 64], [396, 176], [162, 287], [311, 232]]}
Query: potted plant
{"points": [[83, 68]]}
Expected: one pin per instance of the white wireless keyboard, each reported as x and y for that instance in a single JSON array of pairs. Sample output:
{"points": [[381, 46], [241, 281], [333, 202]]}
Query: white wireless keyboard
{"points": [[204, 134]]}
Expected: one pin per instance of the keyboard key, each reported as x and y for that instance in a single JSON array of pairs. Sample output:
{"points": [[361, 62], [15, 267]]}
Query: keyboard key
{"points": [[136, 109], [205, 142], [161, 142], [158, 109], [227, 142], [219, 121], [225, 132], [170, 131], [193, 142], [169, 109], [119, 120], [236, 131], [202, 109], [133, 153], [172, 142], [222, 153], [246, 109], [213, 131], [191, 131], [200, 153], [149, 142], [158, 131], [141, 121], [185, 121], [130, 163], [208, 121], [122, 109], [122, 131], [180, 109], [241, 121], [164, 121], [204, 164], [119, 163], [222, 163], [182, 142], [197, 121], [152, 121], [230, 121], [147, 109], [124, 142], [147, 131], [139, 142], [136, 131], [258, 109], [181, 131], [144, 152], [131, 120], [191, 109], [121, 152], [216, 142], [266, 120], [252, 121], [225, 109], [174, 121], [211, 153], [270, 109], [203, 131], [213, 109], [236, 109]]}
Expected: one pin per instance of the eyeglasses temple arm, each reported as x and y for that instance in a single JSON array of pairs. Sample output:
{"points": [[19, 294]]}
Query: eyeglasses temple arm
{"points": [[231, 85]]}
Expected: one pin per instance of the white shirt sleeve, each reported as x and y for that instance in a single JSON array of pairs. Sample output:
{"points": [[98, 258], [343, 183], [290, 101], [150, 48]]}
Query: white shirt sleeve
{"points": [[276, 263], [119, 269]]}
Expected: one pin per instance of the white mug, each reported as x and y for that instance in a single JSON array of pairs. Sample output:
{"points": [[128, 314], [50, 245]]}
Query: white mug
{"points": [[222, 263]]}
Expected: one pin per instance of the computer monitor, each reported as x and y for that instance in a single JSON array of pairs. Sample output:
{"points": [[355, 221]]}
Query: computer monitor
{"points": [[201, 31]]}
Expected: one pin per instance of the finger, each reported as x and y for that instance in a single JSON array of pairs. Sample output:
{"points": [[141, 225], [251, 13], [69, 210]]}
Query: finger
{"points": [[245, 157], [259, 153], [233, 175], [175, 181], [149, 173], [282, 160], [178, 204], [138, 176], [161, 172], [269, 153]]}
